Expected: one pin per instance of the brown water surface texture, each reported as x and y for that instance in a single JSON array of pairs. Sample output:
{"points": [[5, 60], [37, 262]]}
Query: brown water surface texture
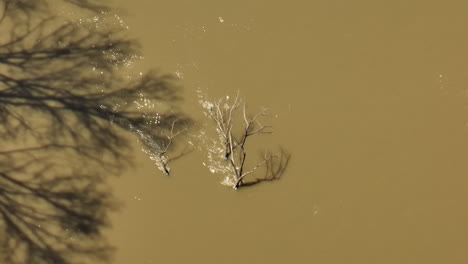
{"points": [[369, 97]]}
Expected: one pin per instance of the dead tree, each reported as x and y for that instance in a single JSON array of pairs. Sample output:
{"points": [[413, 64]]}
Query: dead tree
{"points": [[158, 151], [234, 142]]}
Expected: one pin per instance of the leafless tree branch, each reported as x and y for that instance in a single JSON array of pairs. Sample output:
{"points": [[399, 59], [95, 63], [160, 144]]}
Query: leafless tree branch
{"points": [[158, 150], [223, 113]]}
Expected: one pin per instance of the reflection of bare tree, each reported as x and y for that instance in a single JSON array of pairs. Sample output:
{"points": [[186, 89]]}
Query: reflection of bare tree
{"points": [[63, 108]]}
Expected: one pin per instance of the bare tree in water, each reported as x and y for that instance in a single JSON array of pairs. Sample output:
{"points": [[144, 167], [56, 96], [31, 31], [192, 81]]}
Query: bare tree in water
{"points": [[64, 109], [234, 128]]}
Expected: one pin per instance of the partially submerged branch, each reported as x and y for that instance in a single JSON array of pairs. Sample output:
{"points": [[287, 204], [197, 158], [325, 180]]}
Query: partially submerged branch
{"points": [[240, 179], [163, 156], [158, 150], [225, 113]]}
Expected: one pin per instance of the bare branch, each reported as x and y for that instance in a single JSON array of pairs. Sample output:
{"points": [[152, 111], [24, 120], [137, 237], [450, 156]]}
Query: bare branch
{"points": [[158, 150], [240, 178], [224, 113]]}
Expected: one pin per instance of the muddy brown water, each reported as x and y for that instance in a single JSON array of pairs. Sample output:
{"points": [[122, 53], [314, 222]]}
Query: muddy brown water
{"points": [[370, 98]]}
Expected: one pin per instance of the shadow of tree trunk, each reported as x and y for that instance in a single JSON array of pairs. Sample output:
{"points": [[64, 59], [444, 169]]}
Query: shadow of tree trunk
{"points": [[64, 109]]}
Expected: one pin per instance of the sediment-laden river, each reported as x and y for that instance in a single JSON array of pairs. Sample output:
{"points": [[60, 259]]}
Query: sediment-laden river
{"points": [[367, 100]]}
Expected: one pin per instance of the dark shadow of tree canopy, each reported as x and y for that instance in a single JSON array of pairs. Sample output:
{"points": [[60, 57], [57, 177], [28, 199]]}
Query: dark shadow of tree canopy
{"points": [[50, 210], [64, 110]]}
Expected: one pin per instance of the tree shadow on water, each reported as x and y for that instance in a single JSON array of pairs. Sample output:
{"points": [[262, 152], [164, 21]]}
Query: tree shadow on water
{"points": [[50, 210], [275, 167], [65, 109]]}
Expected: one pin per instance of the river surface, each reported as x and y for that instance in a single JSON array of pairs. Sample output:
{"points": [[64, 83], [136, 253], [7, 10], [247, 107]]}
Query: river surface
{"points": [[368, 97]]}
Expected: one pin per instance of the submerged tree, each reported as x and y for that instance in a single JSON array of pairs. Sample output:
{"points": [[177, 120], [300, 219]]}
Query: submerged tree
{"points": [[228, 156], [158, 150], [64, 106]]}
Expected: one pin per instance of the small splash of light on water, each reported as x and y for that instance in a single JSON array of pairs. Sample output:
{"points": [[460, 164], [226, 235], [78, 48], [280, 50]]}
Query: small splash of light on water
{"points": [[121, 22], [228, 181], [179, 74], [442, 81], [315, 210]]}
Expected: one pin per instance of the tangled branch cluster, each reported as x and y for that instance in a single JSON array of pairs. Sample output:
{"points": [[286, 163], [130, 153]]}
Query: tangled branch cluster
{"points": [[224, 113]]}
